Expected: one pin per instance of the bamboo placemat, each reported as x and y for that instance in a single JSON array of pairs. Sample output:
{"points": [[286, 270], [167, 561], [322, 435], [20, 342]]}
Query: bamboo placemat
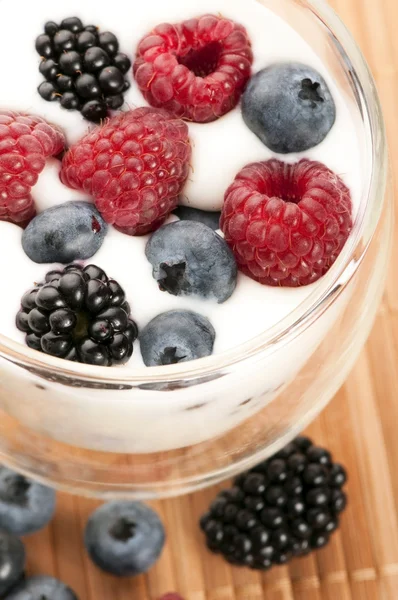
{"points": [[360, 426]]}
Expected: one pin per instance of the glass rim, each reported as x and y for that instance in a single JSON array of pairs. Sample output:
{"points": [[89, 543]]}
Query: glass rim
{"points": [[328, 289]]}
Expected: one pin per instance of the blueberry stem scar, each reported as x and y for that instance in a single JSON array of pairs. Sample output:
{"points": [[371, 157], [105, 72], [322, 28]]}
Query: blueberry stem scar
{"points": [[123, 529], [310, 91], [17, 488], [170, 356], [173, 278]]}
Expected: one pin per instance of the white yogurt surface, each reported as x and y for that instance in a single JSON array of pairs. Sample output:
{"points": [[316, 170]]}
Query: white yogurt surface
{"points": [[220, 150]]}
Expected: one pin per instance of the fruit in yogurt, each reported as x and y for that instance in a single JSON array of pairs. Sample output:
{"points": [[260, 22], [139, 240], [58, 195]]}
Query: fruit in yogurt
{"points": [[79, 314], [176, 336], [26, 141], [64, 233], [25, 506], [196, 69], [124, 538], [41, 587], [82, 67], [284, 507], [135, 167], [190, 259], [286, 223], [289, 107]]}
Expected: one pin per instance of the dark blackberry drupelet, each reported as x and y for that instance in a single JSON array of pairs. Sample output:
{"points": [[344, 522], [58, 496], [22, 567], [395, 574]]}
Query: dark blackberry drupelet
{"points": [[284, 507], [82, 68], [79, 314]]}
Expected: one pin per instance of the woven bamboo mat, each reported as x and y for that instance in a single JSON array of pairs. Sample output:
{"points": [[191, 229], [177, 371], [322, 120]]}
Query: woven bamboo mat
{"points": [[359, 425]]}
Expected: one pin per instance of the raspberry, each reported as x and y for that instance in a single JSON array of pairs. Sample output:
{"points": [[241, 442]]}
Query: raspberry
{"points": [[286, 224], [134, 166], [196, 69], [25, 143], [80, 315]]}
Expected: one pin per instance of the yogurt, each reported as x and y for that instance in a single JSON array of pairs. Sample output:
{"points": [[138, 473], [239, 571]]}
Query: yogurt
{"points": [[220, 150]]}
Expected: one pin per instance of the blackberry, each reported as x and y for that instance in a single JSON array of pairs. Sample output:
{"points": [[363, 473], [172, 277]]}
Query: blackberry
{"points": [[83, 68], [79, 314], [284, 507]]}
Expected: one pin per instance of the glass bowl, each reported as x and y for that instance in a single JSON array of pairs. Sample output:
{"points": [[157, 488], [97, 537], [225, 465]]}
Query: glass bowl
{"points": [[164, 431]]}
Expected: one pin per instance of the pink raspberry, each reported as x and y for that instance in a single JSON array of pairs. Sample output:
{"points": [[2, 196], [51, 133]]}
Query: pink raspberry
{"points": [[134, 166], [196, 69], [286, 224], [25, 143]]}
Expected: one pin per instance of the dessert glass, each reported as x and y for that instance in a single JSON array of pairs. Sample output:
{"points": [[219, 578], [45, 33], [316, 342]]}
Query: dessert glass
{"points": [[163, 431]]}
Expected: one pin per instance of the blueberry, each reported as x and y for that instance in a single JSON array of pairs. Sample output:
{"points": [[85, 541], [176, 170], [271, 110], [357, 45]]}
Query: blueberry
{"points": [[124, 538], [289, 107], [64, 233], [42, 588], [176, 336], [25, 506], [189, 258], [186, 213], [12, 561]]}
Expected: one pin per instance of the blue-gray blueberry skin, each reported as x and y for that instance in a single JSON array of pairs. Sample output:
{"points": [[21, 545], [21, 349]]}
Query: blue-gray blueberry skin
{"points": [[176, 336], [12, 561], [289, 107], [64, 233], [190, 259], [25, 506], [42, 588], [187, 213], [124, 538]]}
